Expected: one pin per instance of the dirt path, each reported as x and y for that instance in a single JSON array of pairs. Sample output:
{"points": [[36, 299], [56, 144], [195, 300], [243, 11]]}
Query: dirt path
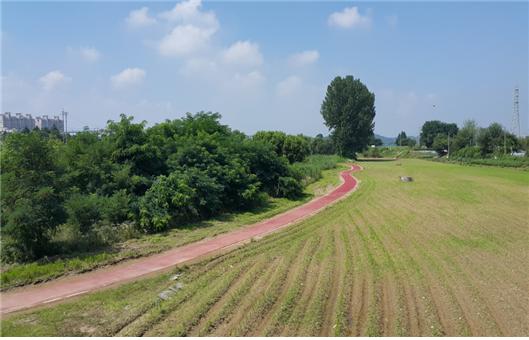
{"points": [[60, 289]]}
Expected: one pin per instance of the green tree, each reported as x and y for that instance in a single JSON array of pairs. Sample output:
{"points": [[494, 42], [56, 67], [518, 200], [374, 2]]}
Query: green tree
{"points": [[322, 145], [295, 148], [466, 136], [117, 207], [524, 145], [404, 140], [84, 211], [401, 138], [275, 138], [496, 140], [168, 201], [31, 204], [267, 166], [349, 110], [87, 161], [440, 143], [130, 147], [431, 129]]}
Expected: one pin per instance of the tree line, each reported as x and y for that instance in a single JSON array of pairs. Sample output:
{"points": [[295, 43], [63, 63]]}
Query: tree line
{"points": [[467, 141], [172, 173]]}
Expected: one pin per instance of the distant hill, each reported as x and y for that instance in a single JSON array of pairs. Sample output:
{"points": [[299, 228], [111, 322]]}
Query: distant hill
{"points": [[386, 140]]}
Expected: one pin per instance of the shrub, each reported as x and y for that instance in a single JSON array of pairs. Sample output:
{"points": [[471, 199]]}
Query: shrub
{"points": [[309, 171], [169, 200], [117, 207], [373, 153], [84, 211], [467, 152], [30, 225], [266, 165], [295, 148], [289, 187]]}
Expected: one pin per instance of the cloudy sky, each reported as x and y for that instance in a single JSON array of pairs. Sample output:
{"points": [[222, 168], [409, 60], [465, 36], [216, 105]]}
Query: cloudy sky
{"points": [[264, 65]]}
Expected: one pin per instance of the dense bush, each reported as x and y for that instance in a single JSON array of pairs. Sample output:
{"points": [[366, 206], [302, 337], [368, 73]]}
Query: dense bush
{"points": [[289, 187], [294, 148], [169, 200], [84, 211], [116, 208], [153, 178]]}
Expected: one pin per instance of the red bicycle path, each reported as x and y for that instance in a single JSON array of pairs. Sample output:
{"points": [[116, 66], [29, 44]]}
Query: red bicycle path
{"points": [[69, 286]]}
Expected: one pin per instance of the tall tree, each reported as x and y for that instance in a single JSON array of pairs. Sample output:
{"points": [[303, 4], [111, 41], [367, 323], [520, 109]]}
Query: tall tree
{"points": [[30, 199], [467, 135], [348, 110], [402, 139], [432, 128]]}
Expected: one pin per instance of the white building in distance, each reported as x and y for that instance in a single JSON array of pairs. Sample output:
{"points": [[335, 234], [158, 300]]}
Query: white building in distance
{"points": [[18, 122]]}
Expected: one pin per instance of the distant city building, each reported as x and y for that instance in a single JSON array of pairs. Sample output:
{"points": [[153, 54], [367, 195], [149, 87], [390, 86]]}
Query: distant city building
{"points": [[18, 122]]}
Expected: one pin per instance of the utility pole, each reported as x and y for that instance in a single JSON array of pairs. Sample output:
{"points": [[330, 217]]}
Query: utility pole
{"points": [[448, 154], [504, 142]]}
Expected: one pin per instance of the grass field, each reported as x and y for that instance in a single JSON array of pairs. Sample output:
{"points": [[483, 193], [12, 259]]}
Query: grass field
{"points": [[23, 274], [443, 255]]}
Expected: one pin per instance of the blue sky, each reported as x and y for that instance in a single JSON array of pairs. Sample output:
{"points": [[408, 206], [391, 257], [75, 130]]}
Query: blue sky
{"points": [[265, 65]]}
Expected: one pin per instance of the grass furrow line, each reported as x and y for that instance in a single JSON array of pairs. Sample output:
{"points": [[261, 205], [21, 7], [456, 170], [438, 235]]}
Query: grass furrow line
{"points": [[282, 316], [234, 298], [440, 324], [329, 323], [313, 320], [343, 310], [424, 270], [268, 297], [192, 285], [299, 311], [189, 314], [294, 269]]}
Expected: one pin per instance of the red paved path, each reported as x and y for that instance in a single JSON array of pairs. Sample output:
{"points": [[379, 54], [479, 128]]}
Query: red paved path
{"points": [[31, 296]]}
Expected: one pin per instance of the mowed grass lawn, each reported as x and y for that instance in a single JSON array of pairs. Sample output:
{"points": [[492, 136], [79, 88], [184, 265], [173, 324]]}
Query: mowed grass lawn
{"points": [[443, 255]]}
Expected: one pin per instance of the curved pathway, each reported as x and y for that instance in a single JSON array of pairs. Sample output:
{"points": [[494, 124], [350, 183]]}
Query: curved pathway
{"points": [[63, 288]]}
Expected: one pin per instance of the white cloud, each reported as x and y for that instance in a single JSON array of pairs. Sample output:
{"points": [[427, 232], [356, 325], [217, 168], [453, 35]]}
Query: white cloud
{"points": [[243, 53], [188, 12], [348, 18], [140, 18], [53, 79], [199, 66], [304, 58], [249, 79], [193, 31], [184, 40], [288, 86], [90, 54], [128, 77]]}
